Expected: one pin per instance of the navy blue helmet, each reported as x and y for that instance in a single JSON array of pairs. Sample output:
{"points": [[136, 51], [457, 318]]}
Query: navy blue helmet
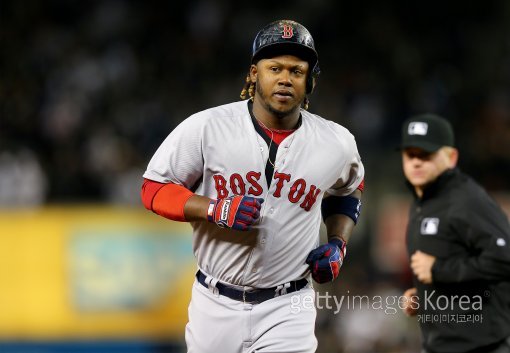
{"points": [[287, 37]]}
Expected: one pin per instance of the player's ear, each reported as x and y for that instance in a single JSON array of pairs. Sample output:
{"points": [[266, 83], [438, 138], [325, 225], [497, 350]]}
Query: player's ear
{"points": [[312, 79], [253, 73]]}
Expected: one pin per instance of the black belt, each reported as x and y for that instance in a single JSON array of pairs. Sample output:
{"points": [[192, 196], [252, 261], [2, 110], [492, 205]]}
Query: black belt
{"points": [[254, 296]]}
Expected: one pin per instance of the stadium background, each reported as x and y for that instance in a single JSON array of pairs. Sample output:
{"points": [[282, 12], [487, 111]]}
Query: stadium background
{"points": [[89, 89]]}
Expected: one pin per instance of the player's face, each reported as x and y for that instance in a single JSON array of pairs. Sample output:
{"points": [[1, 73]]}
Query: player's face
{"points": [[422, 167], [281, 83]]}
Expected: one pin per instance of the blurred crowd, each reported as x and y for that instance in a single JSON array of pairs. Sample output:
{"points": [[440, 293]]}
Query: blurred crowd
{"points": [[89, 89]]}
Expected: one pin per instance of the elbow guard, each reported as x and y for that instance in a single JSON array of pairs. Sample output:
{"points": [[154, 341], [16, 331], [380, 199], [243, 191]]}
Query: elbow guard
{"points": [[346, 205]]}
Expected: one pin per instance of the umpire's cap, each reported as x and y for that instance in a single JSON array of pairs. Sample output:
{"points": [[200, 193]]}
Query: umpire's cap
{"points": [[287, 37], [427, 131]]}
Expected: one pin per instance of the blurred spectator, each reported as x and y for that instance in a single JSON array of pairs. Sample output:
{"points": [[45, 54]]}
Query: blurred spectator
{"points": [[74, 70], [22, 180]]}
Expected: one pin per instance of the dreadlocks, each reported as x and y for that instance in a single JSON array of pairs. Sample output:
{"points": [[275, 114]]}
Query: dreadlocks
{"points": [[249, 88]]}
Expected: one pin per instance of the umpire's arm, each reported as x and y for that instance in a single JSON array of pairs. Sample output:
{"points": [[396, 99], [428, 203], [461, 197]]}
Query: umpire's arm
{"points": [[486, 232]]}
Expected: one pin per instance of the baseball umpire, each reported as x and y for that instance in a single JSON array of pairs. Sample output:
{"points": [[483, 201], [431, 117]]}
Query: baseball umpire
{"points": [[254, 178], [458, 239]]}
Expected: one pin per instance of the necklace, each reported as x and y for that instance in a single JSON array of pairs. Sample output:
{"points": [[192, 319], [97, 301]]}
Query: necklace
{"points": [[270, 143], [272, 132], [278, 131]]}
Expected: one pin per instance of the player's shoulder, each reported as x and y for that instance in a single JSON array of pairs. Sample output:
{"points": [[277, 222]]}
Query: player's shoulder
{"points": [[209, 121], [220, 113], [326, 126]]}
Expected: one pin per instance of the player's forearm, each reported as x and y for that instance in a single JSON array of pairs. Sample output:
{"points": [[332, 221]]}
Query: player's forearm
{"points": [[196, 207], [339, 217], [178, 203], [174, 201], [339, 225]]}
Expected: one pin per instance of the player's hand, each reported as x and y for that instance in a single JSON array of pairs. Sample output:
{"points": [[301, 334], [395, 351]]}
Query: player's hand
{"points": [[410, 302], [236, 212], [326, 260], [421, 264]]}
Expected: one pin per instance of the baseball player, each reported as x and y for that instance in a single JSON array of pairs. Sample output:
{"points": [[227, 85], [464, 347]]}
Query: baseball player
{"points": [[253, 178]]}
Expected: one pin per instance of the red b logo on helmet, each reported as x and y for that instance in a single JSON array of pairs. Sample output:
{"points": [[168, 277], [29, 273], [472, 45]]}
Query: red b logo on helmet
{"points": [[288, 31]]}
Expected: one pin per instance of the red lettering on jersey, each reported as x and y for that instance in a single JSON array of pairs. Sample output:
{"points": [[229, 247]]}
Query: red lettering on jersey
{"points": [[310, 198], [251, 186], [220, 184], [255, 188], [288, 31], [237, 184], [279, 185], [297, 190]]}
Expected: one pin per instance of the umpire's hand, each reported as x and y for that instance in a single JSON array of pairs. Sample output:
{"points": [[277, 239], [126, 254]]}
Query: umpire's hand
{"points": [[421, 264], [410, 302]]}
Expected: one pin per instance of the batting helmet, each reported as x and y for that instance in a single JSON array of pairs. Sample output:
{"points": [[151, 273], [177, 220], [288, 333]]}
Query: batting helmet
{"points": [[287, 37]]}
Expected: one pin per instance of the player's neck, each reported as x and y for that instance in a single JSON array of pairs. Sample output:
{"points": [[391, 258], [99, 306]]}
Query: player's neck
{"points": [[272, 121]]}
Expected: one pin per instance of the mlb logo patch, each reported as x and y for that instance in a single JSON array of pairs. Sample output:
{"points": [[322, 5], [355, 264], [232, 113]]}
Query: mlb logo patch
{"points": [[429, 226], [417, 128]]}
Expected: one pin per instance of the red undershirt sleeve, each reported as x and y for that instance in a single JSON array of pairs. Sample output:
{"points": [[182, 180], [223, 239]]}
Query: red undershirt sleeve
{"points": [[166, 200], [361, 185]]}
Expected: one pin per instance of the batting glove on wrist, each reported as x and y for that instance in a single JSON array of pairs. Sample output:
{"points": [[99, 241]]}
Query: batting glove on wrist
{"points": [[326, 260], [236, 212]]}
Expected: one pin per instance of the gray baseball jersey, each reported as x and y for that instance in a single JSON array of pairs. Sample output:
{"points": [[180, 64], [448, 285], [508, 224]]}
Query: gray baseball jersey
{"points": [[218, 153]]}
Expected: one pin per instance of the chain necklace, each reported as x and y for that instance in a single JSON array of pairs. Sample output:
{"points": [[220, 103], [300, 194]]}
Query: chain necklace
{"points": [[271, 142]]}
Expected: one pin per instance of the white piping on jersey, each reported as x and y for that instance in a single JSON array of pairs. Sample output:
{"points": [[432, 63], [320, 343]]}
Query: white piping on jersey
{"points": [[282, 158], [269, 148]]}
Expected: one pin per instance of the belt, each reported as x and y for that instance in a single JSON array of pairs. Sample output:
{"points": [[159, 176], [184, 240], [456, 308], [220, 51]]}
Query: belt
{"points": [[257, 295]]}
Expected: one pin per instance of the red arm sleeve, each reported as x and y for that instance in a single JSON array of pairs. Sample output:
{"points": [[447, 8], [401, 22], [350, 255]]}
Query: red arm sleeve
{"points": [[361, 186], [166, 200]]}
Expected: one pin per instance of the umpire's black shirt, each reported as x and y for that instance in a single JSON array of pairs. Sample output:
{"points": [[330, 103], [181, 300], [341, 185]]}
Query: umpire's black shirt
{"points": [[467, 307]]}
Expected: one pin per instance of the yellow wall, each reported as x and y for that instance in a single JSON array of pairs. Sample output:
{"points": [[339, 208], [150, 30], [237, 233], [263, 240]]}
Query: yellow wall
{"points": [[93, 272]]}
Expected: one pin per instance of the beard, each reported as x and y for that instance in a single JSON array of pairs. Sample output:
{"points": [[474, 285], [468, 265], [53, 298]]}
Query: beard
{"points": [[278, 113]]}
